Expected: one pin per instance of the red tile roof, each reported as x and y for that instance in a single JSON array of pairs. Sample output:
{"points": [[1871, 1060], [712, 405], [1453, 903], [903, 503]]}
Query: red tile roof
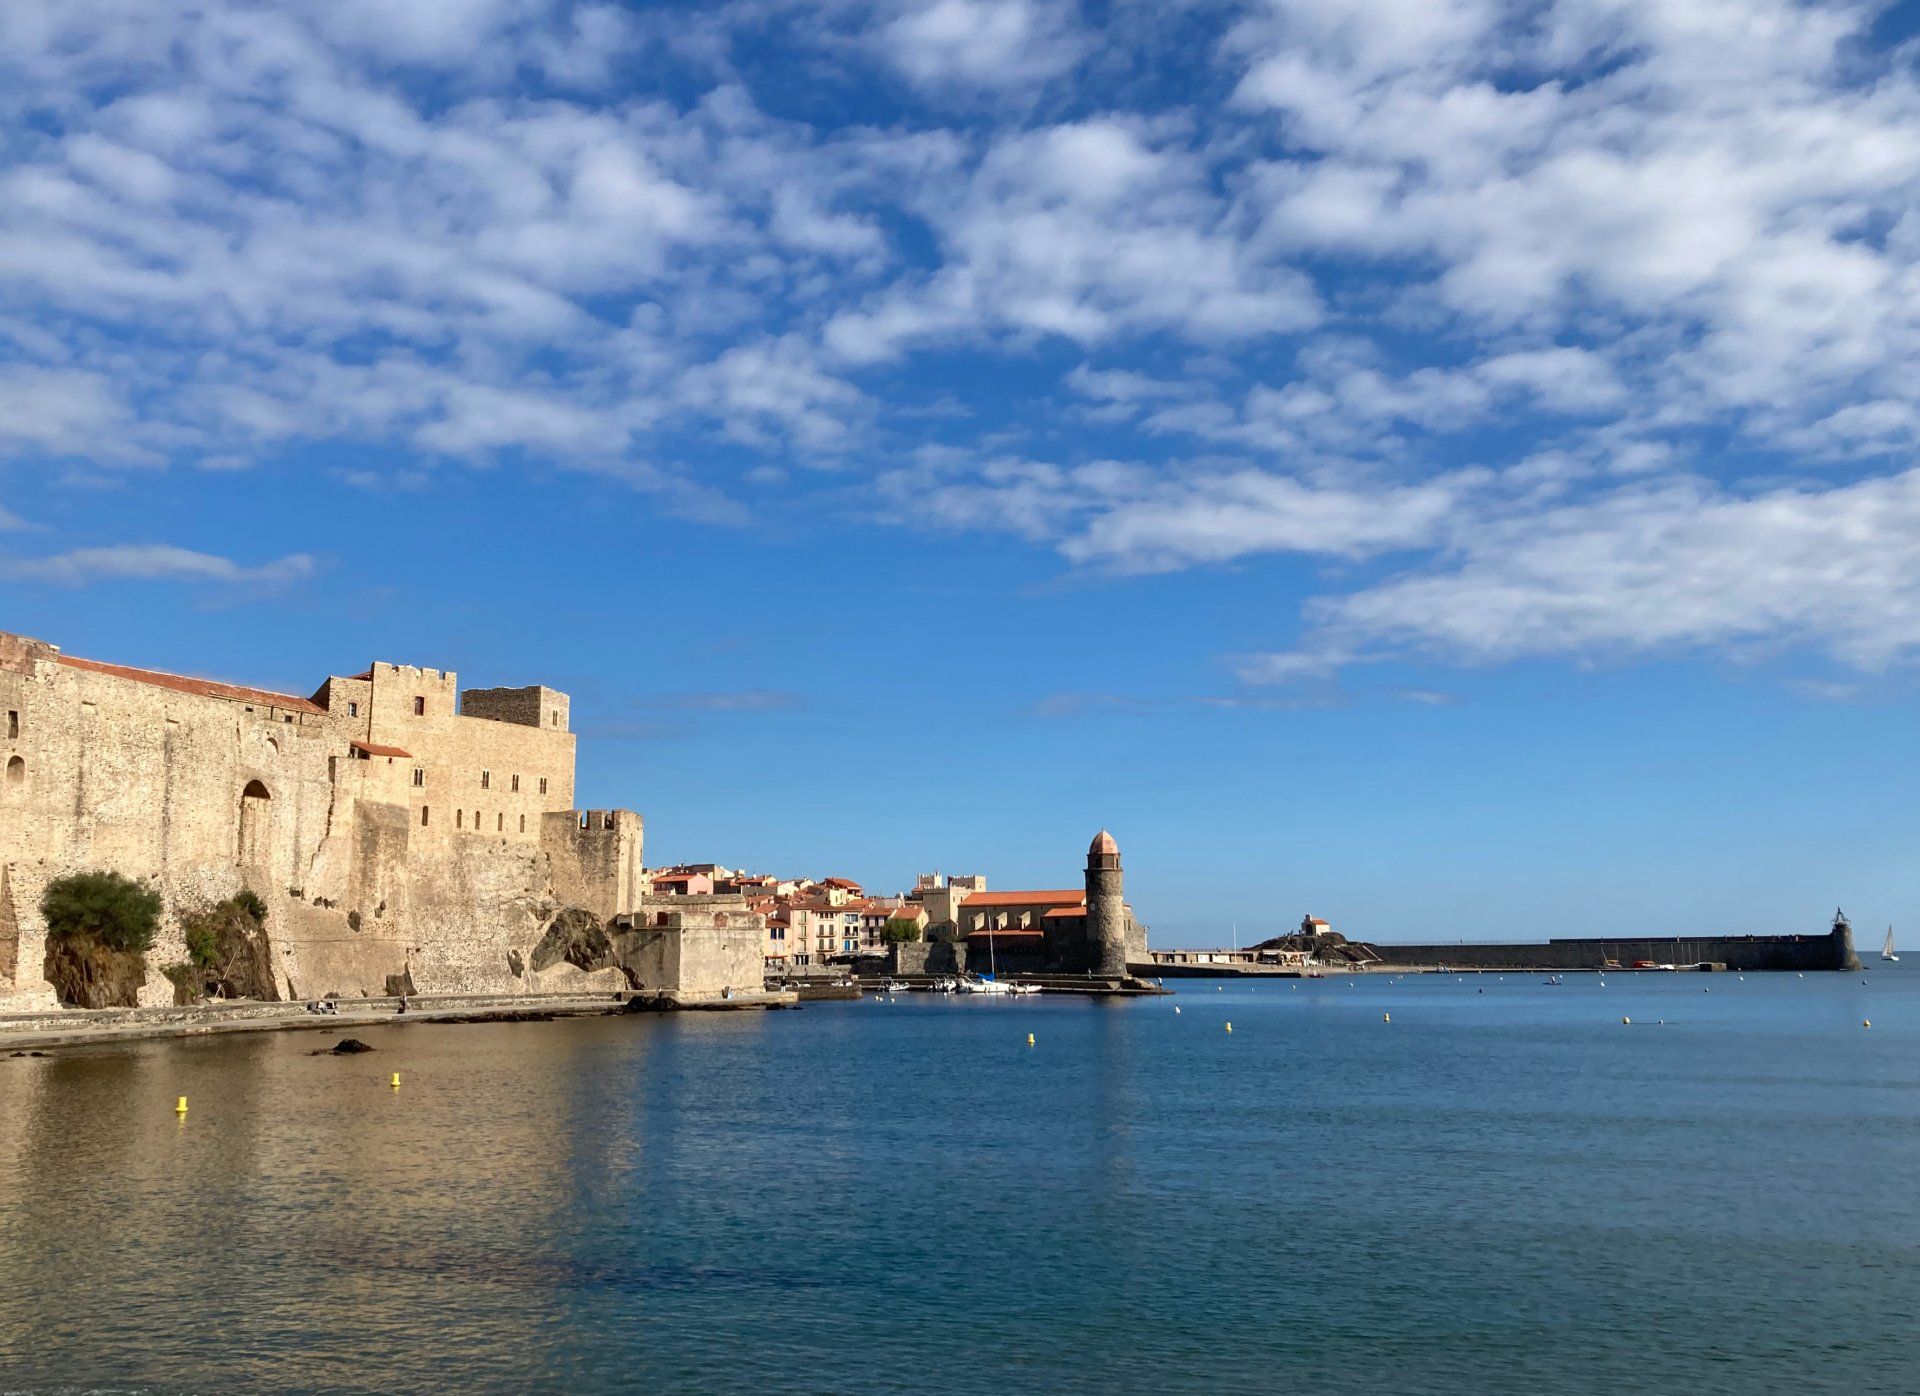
{"points": [[201, 688], [845, 882], [1059, 897], [1080, 910], [373, 749]]}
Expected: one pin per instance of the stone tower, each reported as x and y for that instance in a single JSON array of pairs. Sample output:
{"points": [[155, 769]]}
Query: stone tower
{"points": [[1106, 910]]}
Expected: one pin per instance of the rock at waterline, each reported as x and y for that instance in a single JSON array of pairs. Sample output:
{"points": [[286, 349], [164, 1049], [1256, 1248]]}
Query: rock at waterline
{"points": [[345, 1047]]}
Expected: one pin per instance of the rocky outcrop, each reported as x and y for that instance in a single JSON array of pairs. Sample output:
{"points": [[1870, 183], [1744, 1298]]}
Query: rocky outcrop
{"points": [[576, 937], [228, 955], [86, 973]]}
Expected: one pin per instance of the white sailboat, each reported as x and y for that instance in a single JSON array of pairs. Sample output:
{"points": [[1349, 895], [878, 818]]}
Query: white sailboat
{"points": [[1886, 951]]}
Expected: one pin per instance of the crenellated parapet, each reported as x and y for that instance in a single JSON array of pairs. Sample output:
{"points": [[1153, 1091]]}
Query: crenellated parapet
{"points": [[596, 858]]}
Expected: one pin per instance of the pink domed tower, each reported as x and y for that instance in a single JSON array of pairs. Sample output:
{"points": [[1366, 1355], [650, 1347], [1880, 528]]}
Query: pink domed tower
{"points": [[1106, 910]]}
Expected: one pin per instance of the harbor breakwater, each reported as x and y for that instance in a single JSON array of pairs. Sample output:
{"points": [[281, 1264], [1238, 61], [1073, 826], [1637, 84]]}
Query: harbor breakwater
{"points": [[1832, 951]]}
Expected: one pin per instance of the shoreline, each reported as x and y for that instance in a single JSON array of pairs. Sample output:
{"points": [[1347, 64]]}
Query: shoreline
{"points": [[92, 1027]]}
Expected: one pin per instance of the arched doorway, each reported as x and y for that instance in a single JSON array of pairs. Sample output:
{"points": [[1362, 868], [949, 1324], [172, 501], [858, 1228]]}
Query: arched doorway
{"points": [[16, 779], [256, 812]]}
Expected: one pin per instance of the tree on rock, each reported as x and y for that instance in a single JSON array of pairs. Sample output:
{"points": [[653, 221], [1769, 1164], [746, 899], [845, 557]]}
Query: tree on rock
{"points": [[227, 952], [100, 926]]}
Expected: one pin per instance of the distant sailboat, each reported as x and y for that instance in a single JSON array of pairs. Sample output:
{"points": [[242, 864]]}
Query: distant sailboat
{"points": [[1886, 951]]}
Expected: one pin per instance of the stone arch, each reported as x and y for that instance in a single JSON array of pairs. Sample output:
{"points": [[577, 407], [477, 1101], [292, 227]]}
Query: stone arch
{"points": [[16, 777], [256, 819]]}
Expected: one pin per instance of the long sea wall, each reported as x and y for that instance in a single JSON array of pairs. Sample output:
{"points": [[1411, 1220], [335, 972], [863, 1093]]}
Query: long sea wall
{"points": [[1832, 951]]}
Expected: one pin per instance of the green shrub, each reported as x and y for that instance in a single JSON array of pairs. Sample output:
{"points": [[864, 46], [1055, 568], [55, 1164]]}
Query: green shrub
{"points": [[115, 910], [203, 943], [898, 932], [249, 906]]}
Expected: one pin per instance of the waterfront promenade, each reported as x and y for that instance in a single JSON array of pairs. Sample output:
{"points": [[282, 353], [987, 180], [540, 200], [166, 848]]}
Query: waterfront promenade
{"points": [[79, 1027]]}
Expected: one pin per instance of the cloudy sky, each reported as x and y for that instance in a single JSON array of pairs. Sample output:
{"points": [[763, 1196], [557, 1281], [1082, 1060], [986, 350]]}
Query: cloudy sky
{"points": [[1447, 465]]}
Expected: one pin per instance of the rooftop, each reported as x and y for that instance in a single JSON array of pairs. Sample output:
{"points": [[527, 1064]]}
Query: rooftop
{"points": [[1066, 896], [200, 688], [375, 749]]}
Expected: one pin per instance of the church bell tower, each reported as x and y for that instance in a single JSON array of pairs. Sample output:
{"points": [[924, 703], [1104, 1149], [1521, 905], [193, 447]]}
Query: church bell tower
{"points": [[1106, 910]]}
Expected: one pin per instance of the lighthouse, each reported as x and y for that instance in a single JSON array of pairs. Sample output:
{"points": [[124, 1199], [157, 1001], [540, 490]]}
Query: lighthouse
{"points": [[1106, 910]]}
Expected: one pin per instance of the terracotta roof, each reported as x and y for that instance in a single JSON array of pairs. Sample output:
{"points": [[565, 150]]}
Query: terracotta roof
{"points": [[201, 688], [1103, 843], [842, 882], [372, 749], [1059, 897], [1067, 911]]}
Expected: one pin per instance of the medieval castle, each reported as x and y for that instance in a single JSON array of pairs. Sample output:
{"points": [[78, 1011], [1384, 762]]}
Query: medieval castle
{"points": [[404, 836]]}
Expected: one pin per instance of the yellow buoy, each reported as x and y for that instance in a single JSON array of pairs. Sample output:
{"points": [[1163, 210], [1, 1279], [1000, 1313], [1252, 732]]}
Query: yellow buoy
{"points": [[1029, 1039], [1866, 1022], [180, 1106], [1229, 1027], [1627, 1021], [1386, 1017], [395, 1082]]}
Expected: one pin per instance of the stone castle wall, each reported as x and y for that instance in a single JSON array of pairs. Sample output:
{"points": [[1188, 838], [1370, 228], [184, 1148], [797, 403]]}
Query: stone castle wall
{"points": [[394, 839]]}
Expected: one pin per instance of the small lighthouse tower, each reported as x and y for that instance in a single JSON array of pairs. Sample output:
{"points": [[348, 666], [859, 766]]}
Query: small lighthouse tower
{"points": [[1106, 910]]}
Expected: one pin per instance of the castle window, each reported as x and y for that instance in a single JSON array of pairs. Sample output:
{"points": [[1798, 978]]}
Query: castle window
{"points": [[419, 707], [516, 785], [16, 773], [353, 710], [486, 780], [419, 775], [425, 810], [13, 724], [523, 824], [459, 819], [543, 785], [556, 717]]}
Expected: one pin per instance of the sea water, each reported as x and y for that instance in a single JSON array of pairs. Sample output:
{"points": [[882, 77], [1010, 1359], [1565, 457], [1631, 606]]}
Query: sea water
{"points": [[1503, 1189]]}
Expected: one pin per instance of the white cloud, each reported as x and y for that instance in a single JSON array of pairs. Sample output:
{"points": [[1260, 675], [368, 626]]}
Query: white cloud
{"points": [[153, 562], [62, 412], [994, 44], [1090, 231], [1676, 567], [1128, 517]]}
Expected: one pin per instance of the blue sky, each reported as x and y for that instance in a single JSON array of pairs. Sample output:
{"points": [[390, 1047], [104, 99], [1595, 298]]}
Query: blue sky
{"points": [[1445, 466]]}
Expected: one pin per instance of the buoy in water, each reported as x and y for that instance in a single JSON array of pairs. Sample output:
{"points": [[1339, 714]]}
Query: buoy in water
{"points": [[395, 1082], [1627, 1022], [180, 1106], [1229, 1027], [1866, 1022], [1176, 1008], [1029, 1039], [1386, 1017]]}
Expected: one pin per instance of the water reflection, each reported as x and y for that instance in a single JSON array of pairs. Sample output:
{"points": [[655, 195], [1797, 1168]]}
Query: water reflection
{"points": [[862, 1197]]}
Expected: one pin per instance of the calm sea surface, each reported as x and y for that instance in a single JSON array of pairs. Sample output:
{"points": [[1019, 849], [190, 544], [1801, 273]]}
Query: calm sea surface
{"points": [[1502, 1190]]}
